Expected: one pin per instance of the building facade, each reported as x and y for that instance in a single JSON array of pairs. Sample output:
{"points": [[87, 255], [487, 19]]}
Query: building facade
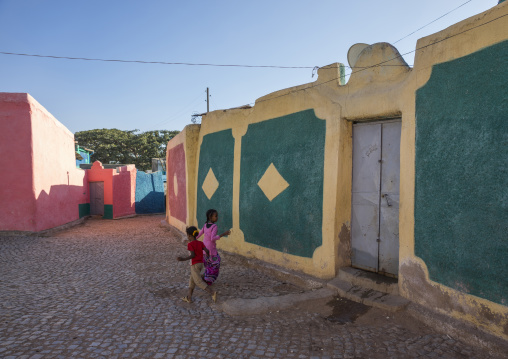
{"points": [[400, 171]]}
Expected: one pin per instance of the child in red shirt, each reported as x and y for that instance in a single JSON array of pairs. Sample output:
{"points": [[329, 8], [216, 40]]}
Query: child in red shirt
{"points": [[196, 249]]}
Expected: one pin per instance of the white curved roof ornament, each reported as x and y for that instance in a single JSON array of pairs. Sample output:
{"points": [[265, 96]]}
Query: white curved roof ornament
{"points": [[354, 53]]}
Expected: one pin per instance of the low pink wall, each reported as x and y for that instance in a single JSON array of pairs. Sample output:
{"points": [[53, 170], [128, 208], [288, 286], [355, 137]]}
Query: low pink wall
{"points": [[17, 207], [99, 174], [119, 187], [40, 185], [124, 191]]}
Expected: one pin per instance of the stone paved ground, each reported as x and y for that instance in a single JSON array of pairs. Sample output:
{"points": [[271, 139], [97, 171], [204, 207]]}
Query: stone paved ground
{"points": [[111, 289]]}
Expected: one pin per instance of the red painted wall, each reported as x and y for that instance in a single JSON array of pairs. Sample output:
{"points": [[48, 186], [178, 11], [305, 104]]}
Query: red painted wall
{"points": [[124, 191], [98, 174], [177, 198], [119, 187]]}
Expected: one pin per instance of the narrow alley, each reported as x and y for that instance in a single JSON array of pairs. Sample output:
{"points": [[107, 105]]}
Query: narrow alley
{"points": [[112, 289]]}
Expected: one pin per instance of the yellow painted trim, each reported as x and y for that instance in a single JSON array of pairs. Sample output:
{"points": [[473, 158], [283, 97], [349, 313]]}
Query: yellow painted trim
{"points": [[188, 137], [474, 309], [322, 264]]}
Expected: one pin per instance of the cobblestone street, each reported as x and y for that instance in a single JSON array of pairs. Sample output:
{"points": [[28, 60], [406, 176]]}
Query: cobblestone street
{"points": [[112, 289]]}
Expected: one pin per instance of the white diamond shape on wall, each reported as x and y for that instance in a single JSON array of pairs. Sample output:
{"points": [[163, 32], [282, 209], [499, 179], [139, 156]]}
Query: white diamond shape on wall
{"points": [[175, 186], [272, 183], [210, 184]]}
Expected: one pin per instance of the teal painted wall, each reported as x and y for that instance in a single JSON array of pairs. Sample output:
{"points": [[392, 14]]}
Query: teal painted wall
{"points": [[108, 211], [217, 152], [461, 193], [149, 192], [292, 221], [342, 71], [84, 210]]}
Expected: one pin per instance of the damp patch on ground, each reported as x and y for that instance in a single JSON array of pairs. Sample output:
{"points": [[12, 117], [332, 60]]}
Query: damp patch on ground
{"points": [[345, 311]]}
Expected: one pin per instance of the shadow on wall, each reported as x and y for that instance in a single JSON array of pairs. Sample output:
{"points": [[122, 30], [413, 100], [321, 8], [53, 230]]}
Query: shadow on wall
{"points": [[152, 203], [60, 206], [149, 193]]}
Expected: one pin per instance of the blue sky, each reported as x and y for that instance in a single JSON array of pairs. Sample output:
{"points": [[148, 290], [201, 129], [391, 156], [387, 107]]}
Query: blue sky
{"points": [[86, 95]]}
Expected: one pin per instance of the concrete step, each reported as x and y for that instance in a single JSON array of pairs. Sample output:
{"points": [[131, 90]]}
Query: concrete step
{"points": [[369, 280], [371, 297], [239, 306]]}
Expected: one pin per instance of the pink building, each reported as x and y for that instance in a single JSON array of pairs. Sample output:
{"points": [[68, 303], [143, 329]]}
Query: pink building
{"points": [[40, 187], [112, 190]]}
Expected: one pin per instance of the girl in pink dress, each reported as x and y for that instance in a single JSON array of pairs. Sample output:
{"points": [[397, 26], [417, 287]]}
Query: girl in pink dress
{"points": [[211, 261]]}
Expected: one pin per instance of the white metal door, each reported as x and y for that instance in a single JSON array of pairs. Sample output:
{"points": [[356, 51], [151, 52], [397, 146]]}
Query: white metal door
{"points": [[365, 197], [97, 198], [375, 196]]}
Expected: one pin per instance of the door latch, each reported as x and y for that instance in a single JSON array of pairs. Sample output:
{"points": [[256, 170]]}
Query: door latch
{"points": [[388, 202]]}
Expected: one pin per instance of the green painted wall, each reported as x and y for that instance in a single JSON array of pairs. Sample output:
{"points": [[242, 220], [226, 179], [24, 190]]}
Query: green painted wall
{"points": [[292, 221], [217, 152], [108, 211], [461, 194], [84, 210], [342, 70]]}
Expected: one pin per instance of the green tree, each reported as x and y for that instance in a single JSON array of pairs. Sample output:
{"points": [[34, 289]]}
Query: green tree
{"points": [[126, 147]]}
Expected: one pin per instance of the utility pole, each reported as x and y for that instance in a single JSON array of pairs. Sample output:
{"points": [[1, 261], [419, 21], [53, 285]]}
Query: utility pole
{"points": [[207, 100]]}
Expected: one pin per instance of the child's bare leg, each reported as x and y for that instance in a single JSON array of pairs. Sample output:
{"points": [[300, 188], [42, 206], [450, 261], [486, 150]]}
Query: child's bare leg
{"points": [[212, 293], [189, 296]]}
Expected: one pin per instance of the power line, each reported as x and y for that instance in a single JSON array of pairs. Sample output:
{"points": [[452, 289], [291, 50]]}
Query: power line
{"points": [[164, 63], [422, 28], [212, 101], [358, 69], [207, 64], [178, 113], [432, 21], [382, 62], [155, 62]]}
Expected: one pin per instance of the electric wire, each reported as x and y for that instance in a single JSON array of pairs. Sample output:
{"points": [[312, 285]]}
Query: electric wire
{"points": [[212, 102], [357, 69], [382, 62], [433, 21], [207, 64], [155, 62], [178, 113], [175, 116], [163, 63]]}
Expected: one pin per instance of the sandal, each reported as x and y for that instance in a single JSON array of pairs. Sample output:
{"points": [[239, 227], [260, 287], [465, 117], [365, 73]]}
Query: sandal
{"points": [[214, 297], [186, 299]]}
